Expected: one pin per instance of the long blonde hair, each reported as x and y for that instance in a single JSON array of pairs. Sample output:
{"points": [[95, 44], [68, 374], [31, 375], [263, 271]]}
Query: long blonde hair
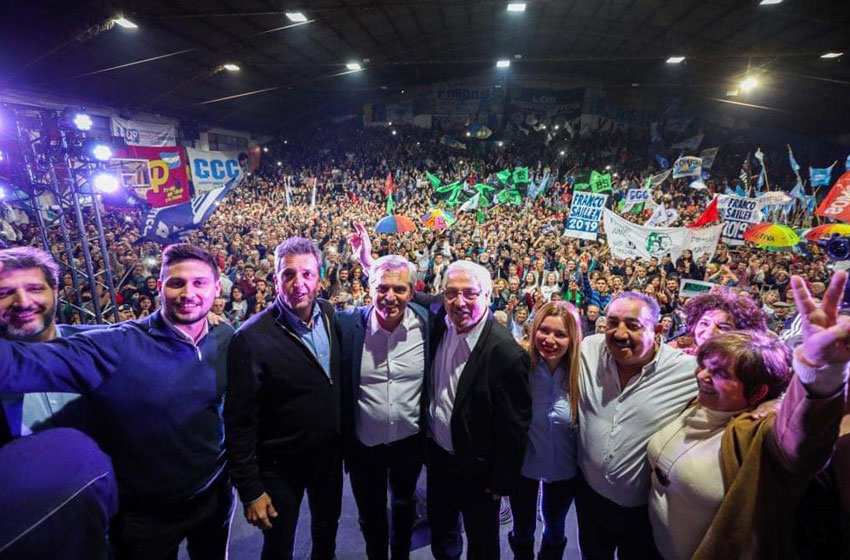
{"points": [[569, 315]]}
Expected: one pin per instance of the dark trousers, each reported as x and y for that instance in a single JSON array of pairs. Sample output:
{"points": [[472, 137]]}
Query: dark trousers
{"points": [[155, 532], [557, 497], [370, 468], [604, 526], [285, 480], [451, 493]]}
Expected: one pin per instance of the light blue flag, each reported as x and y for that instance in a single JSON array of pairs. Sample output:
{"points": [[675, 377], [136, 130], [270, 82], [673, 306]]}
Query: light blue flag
{"points": [[729, 190], [810, 203], [821, 176], [847, 163], [761, 180], [739, 191], [794, 165], [663, 162]]}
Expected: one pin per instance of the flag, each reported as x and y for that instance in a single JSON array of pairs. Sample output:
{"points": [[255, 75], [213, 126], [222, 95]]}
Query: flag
{"points": [[389, 185], [744, 176], [691, 143], [740, 192], [433, 178], [762, 179], [286, 182], [821, 176], [536, 190], [600, 182], [709, 215], [171, 224], [480, 217], [688, 166], [794, 165], [835, 204], [663, 162], [708, 156], [503, 176], [520, 175], [471, 204], [658, 218], [698, 185], [390, 205], [313, 196], [659, 178], [847, 164]]}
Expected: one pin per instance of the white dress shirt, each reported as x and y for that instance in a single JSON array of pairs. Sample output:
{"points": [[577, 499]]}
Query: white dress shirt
{"points": [[615, 424], [392, 371], [452, 354]]}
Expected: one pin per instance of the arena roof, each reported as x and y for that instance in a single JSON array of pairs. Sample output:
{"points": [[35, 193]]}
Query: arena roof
{"points": [[291, 73]]}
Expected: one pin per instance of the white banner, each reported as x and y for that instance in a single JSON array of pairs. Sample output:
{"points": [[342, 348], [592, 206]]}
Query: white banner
{"points": [[739, 214], [585, 213], [703, 241], [688, 166], [636, 196], [659, 178], [629, 240], [212, 170], [773, 198], [138, 133]]}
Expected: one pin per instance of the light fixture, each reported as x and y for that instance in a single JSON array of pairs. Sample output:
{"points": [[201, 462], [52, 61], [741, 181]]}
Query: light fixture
{"points": [[500, 143], [675, 60], [296, 17], [516, 7], [105, 182], [769, 2], [390, 123], [607, 168], [831, 55], [556, 127], [468, 134], [101, 152], [503, 64], [82, 121], [230, 67], [265, 148], [2, 193], [563, 153], [1, 156], [354, 66], [749, 84], [125, 23], [543, 127], [286, 141], [394, 132], [279, 163]]}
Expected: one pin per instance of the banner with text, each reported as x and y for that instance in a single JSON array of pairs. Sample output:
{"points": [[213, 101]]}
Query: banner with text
{"points": [[628, 240], [836, 204], [138, 133], [213, 170], [156, 176], [739, 214], [585, 213], [636, 196]]}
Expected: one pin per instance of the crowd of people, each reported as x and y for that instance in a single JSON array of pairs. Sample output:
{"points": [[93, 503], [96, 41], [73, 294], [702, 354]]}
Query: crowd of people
{"points": [[287, 338]]}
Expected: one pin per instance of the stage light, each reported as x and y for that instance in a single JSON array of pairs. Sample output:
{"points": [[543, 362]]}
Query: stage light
{"points": [[831, 55], [101, 152], [125, 23], [82, 121], [503, 64], [296, 17], [607, 168], [286, 141], [556, 127], [2, 193], [230, 67], [394, 133], [563, 153], [390, 123], [279, 163], [500, 143], [769, 2], [468, 134], [354, 66], [749, 84], [2, 156], [105, 182], [265, 148], [675, 60], [516, 7]]}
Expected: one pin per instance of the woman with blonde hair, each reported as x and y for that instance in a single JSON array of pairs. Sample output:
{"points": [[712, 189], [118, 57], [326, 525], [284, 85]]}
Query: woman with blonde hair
{"points": [[550, 454]]}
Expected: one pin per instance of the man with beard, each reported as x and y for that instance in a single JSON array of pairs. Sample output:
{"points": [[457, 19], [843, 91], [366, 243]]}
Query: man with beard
{"points": [[282, 413], [630, 386], [156, 386]]}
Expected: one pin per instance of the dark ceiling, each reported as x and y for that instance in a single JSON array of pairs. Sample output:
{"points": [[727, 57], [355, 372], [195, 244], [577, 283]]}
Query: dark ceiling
{"points": [[292, 75]]}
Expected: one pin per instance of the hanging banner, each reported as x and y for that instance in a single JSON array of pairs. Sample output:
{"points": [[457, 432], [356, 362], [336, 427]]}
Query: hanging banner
{"points": [[703, 241], [691, 143], [156, 176], [213, 170], [688, 166], [585, 213], [836, 205], [739, 214], [636, 196], [138, 133], [708, 156], [628, 240]]}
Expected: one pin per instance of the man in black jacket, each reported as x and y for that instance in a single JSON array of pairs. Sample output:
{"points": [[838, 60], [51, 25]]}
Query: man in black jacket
{"points": [[480, 408], [282, 409]]}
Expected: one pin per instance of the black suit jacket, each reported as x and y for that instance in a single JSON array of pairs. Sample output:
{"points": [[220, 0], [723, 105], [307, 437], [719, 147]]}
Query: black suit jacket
{"points": [[492, 408], [351, 328]]}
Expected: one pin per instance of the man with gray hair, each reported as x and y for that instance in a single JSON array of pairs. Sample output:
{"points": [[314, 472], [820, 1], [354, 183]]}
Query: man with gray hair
{"points": [[479, 411], [281, 414], [384, 360], [630, 386]]}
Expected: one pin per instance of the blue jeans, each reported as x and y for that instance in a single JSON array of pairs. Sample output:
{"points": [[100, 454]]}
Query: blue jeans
{"points": [[557, 497]]}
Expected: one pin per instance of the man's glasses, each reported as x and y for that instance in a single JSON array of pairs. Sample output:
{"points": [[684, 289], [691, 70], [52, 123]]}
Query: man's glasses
{"points": [[468, 295]]}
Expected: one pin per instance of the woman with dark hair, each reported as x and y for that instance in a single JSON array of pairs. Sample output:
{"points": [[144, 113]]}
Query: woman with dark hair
{"points": [[719, 310], [725, 482], [550, 455]]}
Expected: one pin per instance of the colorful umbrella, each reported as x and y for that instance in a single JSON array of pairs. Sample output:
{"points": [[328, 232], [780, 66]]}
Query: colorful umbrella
{"points": [[394, 224], [827, 230], [437, 219], [771, 235]]}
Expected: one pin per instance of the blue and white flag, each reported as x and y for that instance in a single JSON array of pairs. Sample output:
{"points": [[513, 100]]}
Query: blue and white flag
{"points": [[663, 162], [739, 191], [821, 176], [691, 143], [173, 223], [847, 163], [762, 179], [688, 166], [793, 162], [708, 156]]}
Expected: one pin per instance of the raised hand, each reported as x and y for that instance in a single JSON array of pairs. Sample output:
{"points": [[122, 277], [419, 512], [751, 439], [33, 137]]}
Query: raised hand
{"points": [[361, 245], [826, 334]]}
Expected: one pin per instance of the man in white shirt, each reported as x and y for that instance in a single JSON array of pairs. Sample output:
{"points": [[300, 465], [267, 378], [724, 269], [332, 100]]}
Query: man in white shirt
{"points": [[630, 386], [384, 359]]}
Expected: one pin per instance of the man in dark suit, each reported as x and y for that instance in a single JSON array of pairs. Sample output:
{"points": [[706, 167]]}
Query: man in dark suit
{"points": [[384, 349], [282, 409], [479, 411]]}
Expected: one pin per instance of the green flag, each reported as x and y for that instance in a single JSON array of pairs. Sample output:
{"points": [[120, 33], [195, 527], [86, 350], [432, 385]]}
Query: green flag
{"points": [[520, 175], [509, 196], [581, 187], [390, 205], [503, 176], [648, 184], [637, 209], [452, 191], [433, 178], [484, 191], [599, 182], [480, 217], [621, 205]]}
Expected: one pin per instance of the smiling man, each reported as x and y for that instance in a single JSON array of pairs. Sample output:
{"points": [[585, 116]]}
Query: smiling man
{"points": [[384, 367], [157, 387], [630, 386]]}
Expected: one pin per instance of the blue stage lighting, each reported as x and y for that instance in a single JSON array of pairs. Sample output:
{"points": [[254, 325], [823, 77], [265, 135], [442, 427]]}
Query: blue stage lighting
{"points": [[105, 182], [82, 121]]}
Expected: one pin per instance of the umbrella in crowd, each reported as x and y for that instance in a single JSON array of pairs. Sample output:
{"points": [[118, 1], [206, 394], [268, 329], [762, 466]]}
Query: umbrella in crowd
{"points": [[438, 219], [770, 235], [394, 224], [826, 230]]}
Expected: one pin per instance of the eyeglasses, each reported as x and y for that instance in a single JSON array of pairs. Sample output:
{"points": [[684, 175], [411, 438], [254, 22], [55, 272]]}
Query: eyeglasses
{"points": [[468, 295]]}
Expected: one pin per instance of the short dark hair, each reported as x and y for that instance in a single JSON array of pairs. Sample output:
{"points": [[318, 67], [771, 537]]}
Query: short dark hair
{"points": [[756, 358], [180, 252], [651, 302], [296, 246], [22, 258]]}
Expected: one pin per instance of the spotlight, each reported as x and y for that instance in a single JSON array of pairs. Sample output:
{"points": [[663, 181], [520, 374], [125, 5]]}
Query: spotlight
{"points": [[390, 123], [607, 168], [831, 55], [286, 141], [563, 153], [556, 127], [675, 60], [468, 134], [500, 143], [2, 193], [82, 121], [230, 67], [296, 17], [354, 66], [516, 7], [394, 132], [101, 152], [2, 157], [749, 84], [125, 23], [503, 64], [105, 183], [279, 163], [265, 148]]}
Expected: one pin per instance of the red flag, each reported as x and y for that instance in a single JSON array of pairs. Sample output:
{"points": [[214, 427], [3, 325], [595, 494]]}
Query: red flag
{"points": [[708, 216], [389, 186], [836, 205]]}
